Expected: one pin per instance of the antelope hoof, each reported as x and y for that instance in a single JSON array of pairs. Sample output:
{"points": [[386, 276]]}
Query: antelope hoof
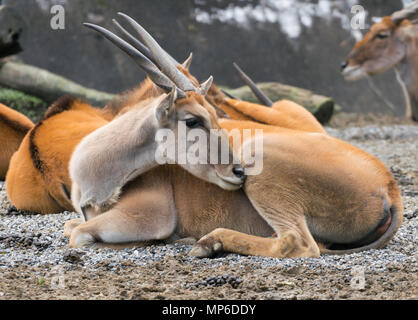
{"points": [[80, 239], [70, 225], [205, 248]]}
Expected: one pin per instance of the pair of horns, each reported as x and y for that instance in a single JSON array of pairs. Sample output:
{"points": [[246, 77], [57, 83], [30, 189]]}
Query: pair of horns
{"points": [[159, 66], [409, 12]]}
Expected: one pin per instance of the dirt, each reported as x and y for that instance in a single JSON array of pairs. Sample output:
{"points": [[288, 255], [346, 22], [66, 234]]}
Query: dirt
{"points": [[171, 279], [343, 120]]}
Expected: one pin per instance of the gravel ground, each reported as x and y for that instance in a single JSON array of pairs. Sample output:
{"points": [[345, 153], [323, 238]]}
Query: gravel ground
{"points": [[36, 263]]}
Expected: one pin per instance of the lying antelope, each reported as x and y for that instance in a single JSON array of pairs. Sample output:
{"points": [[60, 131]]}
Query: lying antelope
{"points": [[318, 194], [38, 179], [13, 127], [393, 42]]}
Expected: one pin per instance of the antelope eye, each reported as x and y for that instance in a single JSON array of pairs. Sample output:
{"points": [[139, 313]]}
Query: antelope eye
{"points": [[193, 122], [382, 35]]}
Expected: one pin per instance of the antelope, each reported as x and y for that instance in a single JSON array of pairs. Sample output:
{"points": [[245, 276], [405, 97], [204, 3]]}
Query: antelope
{"points": [[38, 178], [390, 43], [317, 193], [13, 128]]}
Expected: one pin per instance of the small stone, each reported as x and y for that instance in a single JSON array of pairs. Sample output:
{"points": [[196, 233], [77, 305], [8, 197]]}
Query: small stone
{"points": [[72, 257]]}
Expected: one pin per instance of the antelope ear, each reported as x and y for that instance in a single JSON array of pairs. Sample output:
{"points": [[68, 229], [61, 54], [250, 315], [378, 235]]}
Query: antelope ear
{"points": [[205, 86], [186, 64], [166, 106]]}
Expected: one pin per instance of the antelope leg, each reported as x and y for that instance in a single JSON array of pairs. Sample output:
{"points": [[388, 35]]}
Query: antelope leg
{"points": [[283, 113], [150, 218], [294, 116], [291, 243], [70, 225], [294, 238], [257, 112]]}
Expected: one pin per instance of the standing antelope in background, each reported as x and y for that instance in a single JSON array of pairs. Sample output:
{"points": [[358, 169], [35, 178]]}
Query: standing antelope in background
{"points": [[393, 42], [314, 189]]}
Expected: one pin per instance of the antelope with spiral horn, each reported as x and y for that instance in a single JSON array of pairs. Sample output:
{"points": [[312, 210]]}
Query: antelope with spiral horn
{"points": [[330, 198], [333, 198]]}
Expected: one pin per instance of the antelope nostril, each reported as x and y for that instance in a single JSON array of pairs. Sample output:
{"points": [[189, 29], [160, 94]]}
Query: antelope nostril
{"points": [[344, 65], [239, 172]]}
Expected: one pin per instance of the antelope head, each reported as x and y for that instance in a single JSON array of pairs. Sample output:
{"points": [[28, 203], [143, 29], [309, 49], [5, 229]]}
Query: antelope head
{"points": [[120, 151], [383, 47]]}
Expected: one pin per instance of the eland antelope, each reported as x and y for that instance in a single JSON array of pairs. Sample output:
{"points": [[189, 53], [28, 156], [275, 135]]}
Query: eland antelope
{"points": [[317, 193], [391, 43], [38, 179]]}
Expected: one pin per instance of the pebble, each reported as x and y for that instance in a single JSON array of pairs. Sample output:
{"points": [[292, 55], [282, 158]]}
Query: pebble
{"points": [[217, 281]]}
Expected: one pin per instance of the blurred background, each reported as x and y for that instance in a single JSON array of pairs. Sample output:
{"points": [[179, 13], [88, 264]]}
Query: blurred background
{"points": [[295, 42]]}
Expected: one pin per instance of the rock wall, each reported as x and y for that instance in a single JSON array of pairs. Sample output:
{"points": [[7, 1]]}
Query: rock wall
{"points": [[297, 42]]}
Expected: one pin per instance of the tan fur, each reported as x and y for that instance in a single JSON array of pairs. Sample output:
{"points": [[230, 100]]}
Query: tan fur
{"points": [[284, 113], [305, 203], [38, 170], [343, 209], [313, 189], [126, 161], [13, 127]]}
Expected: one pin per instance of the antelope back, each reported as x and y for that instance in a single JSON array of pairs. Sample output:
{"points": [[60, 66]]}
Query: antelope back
{"points": [[38, 178], [13, 128]]}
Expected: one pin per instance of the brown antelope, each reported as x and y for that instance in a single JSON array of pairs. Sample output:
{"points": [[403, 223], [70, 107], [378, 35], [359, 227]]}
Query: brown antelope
{"points": [[313, 189], [13, 127], [38, 179], [393, 42]]}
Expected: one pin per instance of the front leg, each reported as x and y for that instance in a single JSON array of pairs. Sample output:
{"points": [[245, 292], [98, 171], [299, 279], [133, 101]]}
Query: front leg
{"points": [[142, 216], [280, 203], [70, 225], [256, 112], [284, 114], [290, 244], [280, 210]]}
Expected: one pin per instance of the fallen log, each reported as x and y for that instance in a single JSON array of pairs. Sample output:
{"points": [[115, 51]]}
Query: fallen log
{"points": [[49, 87], [321, 107], [46, 85]]}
